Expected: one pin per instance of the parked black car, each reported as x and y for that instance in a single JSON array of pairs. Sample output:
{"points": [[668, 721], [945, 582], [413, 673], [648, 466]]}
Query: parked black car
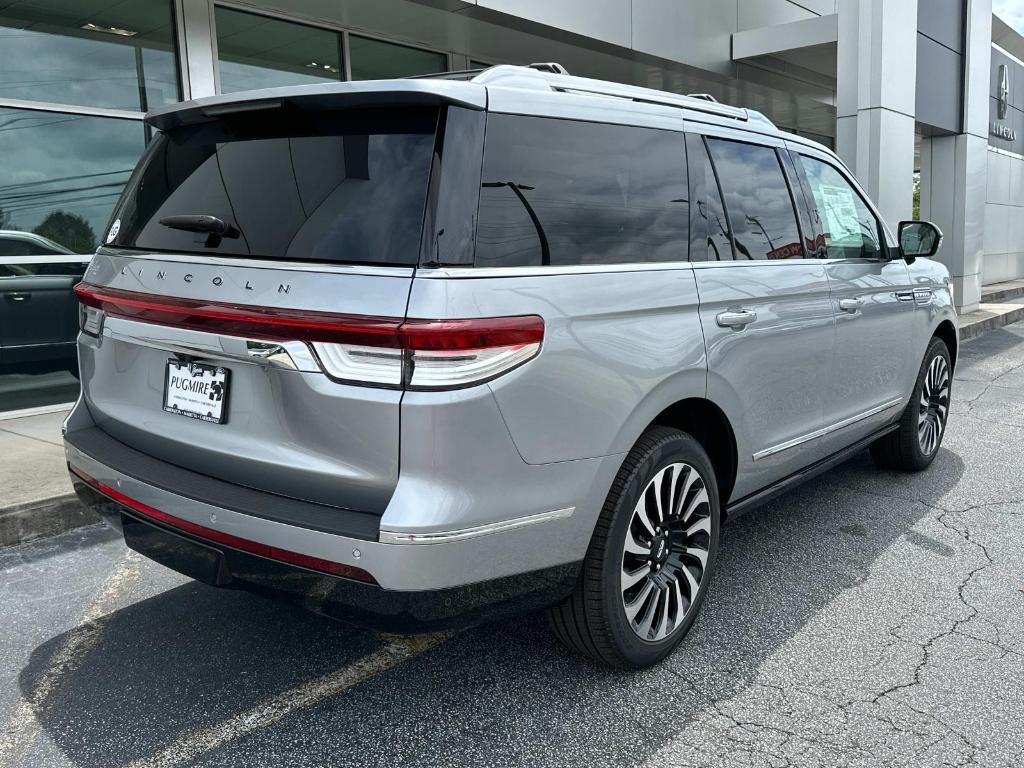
{"points": [[38, 311]]}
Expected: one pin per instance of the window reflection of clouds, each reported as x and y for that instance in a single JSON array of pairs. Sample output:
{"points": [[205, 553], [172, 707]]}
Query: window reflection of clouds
{"points": [[757, 199], [44, 57], [62, 162], [602, 193]]}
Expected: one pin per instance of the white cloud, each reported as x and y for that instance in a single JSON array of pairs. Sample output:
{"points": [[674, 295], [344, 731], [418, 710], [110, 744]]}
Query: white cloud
{"points": [[1010, 11]]}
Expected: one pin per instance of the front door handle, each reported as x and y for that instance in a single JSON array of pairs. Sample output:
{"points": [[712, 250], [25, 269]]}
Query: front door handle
{"points": [[18, 296], [850, 305], [735, 319]]}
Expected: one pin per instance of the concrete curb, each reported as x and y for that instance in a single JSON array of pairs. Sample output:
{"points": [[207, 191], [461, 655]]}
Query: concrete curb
{"points": [[978, 327], [46, 517]]}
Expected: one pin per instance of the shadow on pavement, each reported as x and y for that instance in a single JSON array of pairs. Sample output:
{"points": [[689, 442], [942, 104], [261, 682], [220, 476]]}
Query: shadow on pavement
{"points": [[499, 694]]}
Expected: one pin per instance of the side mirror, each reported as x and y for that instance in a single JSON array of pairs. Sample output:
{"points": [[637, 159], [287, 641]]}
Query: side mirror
{"points": [[919, 238]]}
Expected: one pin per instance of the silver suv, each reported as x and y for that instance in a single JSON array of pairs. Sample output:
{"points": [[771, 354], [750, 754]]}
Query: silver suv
{"points": [[426, 352]]}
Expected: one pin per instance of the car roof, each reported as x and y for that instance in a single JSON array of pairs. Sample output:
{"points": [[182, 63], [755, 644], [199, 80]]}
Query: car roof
{"points": [[467, 89]]}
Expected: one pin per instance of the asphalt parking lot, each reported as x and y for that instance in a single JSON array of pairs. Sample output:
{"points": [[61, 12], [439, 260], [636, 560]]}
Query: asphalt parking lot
{"points": [[868, 618]]}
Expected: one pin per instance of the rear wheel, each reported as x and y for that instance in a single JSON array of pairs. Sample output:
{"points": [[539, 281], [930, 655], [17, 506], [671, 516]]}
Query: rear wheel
{"points": [[914, 445], [652, 554]]}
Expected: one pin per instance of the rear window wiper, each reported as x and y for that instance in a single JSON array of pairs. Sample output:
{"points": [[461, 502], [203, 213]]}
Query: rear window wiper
{"points": [[213, 227], [200, 222]]}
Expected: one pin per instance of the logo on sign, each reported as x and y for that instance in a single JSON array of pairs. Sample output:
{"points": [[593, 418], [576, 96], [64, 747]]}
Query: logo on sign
{"points": [[1004, 90]]}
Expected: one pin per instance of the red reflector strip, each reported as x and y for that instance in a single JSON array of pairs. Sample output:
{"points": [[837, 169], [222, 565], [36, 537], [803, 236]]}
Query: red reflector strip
{"points": [[219, 537], [299, 325], [242, 320]]}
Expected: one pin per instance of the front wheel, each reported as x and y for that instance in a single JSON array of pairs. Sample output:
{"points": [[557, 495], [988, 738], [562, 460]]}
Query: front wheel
{"points": [[653, 551], [914, 445]]}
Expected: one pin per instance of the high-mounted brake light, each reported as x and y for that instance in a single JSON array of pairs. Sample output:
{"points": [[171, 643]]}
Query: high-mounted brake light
{"points": [[361, 349]]}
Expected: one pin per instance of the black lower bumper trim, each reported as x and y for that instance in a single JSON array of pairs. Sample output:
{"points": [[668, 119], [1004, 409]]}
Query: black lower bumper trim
{"points": [[366, 605], [96, 443]]}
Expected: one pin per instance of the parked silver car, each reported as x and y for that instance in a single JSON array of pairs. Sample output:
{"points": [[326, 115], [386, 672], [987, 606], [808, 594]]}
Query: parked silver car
{"points": [[431, 351]]}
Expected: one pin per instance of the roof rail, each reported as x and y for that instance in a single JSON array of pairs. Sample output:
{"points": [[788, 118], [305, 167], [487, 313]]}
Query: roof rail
{"points": [[551, 66], [554, 77]]}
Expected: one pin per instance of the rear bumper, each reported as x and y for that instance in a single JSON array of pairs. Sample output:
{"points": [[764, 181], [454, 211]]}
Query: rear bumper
{"points": [[398, 611], [456, 558]]}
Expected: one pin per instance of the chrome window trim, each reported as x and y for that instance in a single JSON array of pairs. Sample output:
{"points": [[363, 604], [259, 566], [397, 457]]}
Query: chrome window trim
{"points": [[43, 258], [460, 534], [445, 273], [826, 430], [75, 109]]}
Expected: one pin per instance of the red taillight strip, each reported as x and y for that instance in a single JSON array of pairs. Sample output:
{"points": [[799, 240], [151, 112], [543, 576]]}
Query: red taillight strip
{"points": [[219, 537], [300, 325], [241, 319]]}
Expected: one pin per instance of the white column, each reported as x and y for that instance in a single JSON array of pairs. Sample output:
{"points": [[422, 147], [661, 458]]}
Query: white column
{"points": [[954, 169], [875, 94], [197, 48]]}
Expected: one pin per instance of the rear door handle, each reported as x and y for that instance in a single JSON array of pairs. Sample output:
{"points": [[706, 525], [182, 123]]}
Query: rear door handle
{"points": [[740, 319], [851, 305], [18, 296]]}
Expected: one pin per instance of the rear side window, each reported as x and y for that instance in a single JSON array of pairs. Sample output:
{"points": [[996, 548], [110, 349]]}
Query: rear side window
{"points": [[347, 186], [757, 201], [563, 192]]}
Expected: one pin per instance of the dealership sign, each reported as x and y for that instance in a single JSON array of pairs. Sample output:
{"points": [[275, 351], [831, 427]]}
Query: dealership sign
{"points": [[1002, 131]]}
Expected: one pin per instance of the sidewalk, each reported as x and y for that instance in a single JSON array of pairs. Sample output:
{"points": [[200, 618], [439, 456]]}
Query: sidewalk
{"points": [[36, 499]]}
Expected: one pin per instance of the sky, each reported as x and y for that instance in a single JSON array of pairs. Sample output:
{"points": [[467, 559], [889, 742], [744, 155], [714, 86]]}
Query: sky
{"points": [[1010, 11]]}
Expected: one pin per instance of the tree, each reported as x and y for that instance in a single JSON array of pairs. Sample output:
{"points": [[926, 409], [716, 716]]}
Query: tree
{"points": [[70, 230]]}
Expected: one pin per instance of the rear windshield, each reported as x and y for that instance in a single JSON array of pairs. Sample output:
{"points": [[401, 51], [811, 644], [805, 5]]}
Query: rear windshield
{"points": [[346, 186]]}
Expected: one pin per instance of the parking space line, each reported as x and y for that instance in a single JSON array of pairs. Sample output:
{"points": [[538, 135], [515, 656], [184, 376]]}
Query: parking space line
{"points": [[23, 728], [395, 651]]}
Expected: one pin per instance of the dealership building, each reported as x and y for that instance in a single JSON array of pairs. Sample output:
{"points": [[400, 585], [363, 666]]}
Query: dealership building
{"points": [[896, 87]]}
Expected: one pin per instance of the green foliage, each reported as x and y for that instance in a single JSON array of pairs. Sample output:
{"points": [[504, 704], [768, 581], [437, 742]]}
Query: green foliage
{"points": [[70, 230]]}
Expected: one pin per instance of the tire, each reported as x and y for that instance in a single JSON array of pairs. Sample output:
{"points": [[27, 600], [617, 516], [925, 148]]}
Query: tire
{"points": [[669, 569], [914, 445]]}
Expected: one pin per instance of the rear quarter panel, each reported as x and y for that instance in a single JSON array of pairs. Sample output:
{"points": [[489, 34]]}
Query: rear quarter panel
{"points": [[620, 345]]}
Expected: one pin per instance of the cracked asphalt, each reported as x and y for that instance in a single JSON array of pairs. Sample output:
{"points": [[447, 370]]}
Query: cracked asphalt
{"points": [[868, 618]]}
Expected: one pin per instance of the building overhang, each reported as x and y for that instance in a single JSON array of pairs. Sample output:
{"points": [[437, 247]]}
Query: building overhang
{"points": [[806, 47]]}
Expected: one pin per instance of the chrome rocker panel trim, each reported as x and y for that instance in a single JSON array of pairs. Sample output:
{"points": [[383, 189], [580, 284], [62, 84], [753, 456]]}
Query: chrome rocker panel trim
{"points": [[826, 430], [459, 534]]}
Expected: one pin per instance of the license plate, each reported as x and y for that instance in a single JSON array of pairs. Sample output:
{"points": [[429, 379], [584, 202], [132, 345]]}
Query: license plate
{"points": [[197, 391]]}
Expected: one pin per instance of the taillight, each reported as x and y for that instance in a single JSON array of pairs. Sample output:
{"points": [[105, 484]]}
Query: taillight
{"points": [[360, 349], [438, 354]]}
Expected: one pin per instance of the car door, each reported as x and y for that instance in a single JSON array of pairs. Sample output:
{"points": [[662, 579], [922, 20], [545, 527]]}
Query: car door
{"points": [[38, 310], [765, 309], [873, 300]]}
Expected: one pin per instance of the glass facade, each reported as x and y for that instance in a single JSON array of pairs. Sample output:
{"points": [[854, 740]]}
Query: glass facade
{"points": [[256, 51], [94, 67], [377, 60], [112, 55], [65, 173]]}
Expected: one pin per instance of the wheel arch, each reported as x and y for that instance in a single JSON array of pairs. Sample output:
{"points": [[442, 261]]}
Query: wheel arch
{"points": [[947, 332], [706, 423]]}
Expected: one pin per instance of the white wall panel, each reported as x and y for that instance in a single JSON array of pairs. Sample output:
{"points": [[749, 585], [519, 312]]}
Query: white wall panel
{"points": [[607, 20]]}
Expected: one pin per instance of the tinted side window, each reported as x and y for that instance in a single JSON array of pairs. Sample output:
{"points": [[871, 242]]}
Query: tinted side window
{"points": [[563, 192], [757, 201], [709, 228], [850, 229]]}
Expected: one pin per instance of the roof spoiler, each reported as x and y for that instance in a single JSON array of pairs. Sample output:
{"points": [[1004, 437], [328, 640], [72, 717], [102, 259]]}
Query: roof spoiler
{"points": [[367, 93]]}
